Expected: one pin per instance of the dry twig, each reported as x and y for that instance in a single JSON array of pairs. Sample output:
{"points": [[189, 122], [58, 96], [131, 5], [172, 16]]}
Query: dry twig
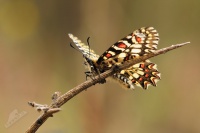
{"points": [[60, 100]]}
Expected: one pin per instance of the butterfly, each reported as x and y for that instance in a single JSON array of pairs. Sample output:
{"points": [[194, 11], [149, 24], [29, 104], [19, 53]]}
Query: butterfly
{"points": [[138, 43]]}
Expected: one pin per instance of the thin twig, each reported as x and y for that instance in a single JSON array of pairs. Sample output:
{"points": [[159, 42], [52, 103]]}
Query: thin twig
{"points": [[55, 106]]}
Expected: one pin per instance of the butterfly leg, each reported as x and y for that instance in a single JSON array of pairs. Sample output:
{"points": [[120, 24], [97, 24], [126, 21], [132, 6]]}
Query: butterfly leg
{"points": [[88, 74]]}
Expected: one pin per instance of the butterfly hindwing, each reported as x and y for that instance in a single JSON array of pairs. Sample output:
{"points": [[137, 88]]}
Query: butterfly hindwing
{"points": [[142, 74]]}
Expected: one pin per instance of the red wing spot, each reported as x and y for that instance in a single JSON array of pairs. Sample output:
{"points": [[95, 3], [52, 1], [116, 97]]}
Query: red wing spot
{"points": [[121, 45], [146, 70], [108, 55], [142, 65], [133, 81], [138, 39], [126, 58], [140, 79], [146, 75]]}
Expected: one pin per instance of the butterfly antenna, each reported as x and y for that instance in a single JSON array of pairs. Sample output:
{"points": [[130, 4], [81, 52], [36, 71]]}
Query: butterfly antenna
{"points": [[88, 42], [74, 47]]}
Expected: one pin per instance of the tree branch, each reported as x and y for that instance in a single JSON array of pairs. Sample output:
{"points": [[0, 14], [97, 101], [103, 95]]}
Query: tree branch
{"points": [[60, 100]]}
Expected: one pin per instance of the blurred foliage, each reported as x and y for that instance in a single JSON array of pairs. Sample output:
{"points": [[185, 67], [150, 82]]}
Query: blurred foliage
{"points": [[36, 60]]}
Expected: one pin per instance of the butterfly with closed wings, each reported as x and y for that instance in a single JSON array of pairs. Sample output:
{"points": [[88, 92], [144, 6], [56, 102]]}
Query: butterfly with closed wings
{"points": [[138, 43]]}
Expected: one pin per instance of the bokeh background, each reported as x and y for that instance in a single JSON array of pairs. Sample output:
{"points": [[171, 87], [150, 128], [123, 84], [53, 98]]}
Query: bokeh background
{"points": [[36, 60]]}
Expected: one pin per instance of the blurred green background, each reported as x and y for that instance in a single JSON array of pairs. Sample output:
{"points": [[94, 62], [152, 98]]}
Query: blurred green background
{"points": [[36, 60]]}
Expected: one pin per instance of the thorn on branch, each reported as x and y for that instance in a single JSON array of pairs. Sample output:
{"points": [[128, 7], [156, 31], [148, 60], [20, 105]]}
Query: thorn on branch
{"points": [[55, 96]]}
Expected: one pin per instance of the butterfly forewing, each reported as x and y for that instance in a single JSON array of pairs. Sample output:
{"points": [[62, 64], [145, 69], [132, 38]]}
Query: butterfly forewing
{"points": [[138, 43], [87, 52]]}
